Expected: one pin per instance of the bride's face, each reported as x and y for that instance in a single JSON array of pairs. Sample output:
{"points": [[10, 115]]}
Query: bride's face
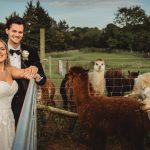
{"points": [[3, 52]]}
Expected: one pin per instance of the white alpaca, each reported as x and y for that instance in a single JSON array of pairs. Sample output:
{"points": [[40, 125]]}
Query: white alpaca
{"points": [[142, 86], [96, 78]]}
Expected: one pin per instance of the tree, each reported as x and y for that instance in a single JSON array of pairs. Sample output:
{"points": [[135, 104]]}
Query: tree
{"points": [[111, 34], [36, 17], [90, 37], [142, 41], [2, 33], [29, 17], [111, 30], [63, 26], [130, 16], [113, 43], [58, 44]]}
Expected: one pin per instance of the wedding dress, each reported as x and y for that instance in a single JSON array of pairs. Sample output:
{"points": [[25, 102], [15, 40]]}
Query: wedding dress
{"points": [[7, 122]]}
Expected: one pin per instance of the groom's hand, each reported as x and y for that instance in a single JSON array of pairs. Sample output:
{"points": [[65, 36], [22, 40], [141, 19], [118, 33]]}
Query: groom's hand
{"points": [[30, 72], [33, 70]]}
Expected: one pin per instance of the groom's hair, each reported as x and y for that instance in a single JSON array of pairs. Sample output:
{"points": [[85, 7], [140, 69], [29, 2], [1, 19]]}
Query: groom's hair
{"points": [[15, 20]]}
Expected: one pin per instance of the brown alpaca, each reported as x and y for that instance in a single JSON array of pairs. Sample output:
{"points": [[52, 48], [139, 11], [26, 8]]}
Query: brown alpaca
{"points": [[107, 116], [47, 93], [117, 83]]}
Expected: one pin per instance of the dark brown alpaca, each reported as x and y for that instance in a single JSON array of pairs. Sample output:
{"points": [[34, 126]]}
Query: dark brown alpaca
{"points": [[117, 83], [107, 116], [66, 92]]}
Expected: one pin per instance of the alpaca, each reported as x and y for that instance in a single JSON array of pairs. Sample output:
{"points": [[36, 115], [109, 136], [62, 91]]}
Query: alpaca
{"points": [[142, 86], [117, 83], [66, 92], [96, 78], [47, 93], [107, 116], [63, 92], [146, 105]]}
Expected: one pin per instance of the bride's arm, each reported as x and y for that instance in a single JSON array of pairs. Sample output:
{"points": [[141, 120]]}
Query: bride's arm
{"points": [[26, 73]]}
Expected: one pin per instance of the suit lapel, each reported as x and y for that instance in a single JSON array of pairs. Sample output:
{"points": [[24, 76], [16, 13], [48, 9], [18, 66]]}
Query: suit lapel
{"points": [[23, 62], [24, 81]]}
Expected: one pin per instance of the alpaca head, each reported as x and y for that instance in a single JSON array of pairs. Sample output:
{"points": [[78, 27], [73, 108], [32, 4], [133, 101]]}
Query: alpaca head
{"points": [[145, 89], [99, 65], [132, 74], [76, 74], [77, 71]]}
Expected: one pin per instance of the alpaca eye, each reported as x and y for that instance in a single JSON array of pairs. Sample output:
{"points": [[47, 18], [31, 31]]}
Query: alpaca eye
{"points": [[96, 64]]}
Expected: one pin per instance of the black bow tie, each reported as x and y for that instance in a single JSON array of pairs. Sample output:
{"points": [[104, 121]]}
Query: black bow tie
{"points": [[11, 51]]}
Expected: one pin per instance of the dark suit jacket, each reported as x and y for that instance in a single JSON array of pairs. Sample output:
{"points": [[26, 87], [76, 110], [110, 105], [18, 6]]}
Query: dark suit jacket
{"points": [[18, 99]]}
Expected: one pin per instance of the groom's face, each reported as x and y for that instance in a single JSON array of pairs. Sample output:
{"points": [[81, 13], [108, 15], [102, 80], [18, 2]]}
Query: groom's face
{"points": [[15, 33]]}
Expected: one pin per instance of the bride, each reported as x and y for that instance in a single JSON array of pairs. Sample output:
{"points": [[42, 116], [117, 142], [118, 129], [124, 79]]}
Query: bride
{"points": [[8, 88]]}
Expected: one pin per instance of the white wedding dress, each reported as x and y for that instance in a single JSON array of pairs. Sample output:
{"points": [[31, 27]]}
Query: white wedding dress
{"points": [[7, 122]]}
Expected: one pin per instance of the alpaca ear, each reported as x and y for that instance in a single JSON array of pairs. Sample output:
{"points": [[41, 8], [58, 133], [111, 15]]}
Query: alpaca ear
{"points": [[92, 63], [84, 72], [87, 70]]}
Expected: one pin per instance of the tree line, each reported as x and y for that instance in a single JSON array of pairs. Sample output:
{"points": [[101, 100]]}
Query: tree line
{"points": [[130, 31]]}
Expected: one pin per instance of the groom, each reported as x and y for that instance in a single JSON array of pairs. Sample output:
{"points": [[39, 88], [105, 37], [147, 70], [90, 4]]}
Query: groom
{"points": [[21, 56]]}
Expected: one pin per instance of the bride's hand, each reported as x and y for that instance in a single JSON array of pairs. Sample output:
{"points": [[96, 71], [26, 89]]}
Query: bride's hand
{"points": [[30, 72], [32, 69]]}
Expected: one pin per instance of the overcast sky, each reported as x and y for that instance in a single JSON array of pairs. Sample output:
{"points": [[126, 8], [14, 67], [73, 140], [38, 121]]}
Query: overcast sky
{"points": [[78, 13]]}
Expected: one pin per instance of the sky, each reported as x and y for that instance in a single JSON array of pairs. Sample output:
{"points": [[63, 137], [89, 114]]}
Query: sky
{"points": [[78, 13]]}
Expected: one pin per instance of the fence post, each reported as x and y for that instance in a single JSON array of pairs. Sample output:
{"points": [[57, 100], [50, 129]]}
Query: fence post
{"points": [[42, 47], [49, 65], [67, 66], [60, 67]]}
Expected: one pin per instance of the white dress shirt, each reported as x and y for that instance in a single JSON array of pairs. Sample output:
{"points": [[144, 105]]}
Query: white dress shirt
{"points": [[15, 60]]}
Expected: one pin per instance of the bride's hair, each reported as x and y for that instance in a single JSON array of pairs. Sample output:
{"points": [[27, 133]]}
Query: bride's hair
{"points": [[7, 61]]}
